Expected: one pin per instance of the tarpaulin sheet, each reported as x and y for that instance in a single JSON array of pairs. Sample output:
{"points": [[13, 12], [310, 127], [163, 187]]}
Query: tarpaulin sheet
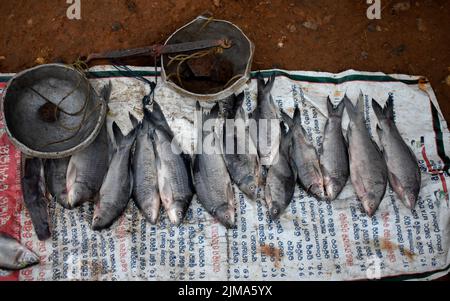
{"points": [[312, 241]]}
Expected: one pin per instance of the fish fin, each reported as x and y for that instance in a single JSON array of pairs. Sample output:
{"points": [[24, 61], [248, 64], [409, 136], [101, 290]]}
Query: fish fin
{"points": [[340, 109], [287, 119], [269, 85], [265, 87], [238, 102], [297, 116], [166, 192], [148, 116], [379, 131], [118, 136], [214, 113], [230, 195], [389, 108], [378, 110], [134, 121], [394, 181], [106, 92], [360, 105], [159, 119], [330, 106], [376, 146], [350, 108]]}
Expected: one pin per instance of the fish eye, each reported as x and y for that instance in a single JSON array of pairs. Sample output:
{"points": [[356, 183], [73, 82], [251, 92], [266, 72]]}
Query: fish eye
{"points": [[179, 214], [252, 188]]}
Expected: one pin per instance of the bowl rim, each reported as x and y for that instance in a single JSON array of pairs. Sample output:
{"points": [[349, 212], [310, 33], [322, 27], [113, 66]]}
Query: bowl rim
{"points": [[223, 93], [26, 150]]}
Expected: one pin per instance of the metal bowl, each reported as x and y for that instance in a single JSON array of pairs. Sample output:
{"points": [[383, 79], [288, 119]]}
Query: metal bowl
{"points": [[36, 126], [240, 55]]}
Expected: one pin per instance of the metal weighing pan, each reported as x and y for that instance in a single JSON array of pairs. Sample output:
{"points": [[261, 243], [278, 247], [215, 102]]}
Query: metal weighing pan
{"points": [[52, 111]]}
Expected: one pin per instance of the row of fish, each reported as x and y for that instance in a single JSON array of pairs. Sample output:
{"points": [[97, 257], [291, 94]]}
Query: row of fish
{"points": [[149, 167], [325, 174]]}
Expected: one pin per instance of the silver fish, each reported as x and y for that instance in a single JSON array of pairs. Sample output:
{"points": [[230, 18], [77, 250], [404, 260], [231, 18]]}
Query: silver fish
{"points": [[368, 170], [14, 256], [212, 181], [175, 182], [403, 170], [267, 132], [145, 184], [117, 186], [33, 188], [88, 168], [241, 156], [281, 178], [334, 156], [305, 157], [55, 179]]}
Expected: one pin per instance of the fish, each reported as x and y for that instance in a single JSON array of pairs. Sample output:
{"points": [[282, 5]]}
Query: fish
{"points": [[33, 188], [88, 168], [145, 175], [174, 168], [403, 169], [14, 256], [117, 187], [305, 157], [281, 178], [267, 132], [334, 155], [55, 179], [368, 170], [240, 153], [212, 180]]}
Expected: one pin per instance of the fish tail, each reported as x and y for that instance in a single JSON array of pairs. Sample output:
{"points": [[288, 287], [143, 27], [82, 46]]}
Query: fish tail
{"points": [[297, 116], [286, 119], [122, 140], [105, 93], [389, 108], [379, 112], [360, 104], [214, 113], [350, 108], [265, 87], [335, 111]]}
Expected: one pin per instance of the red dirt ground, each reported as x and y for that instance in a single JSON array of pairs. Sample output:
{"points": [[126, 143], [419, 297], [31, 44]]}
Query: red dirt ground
{"points": [[412, 41]]}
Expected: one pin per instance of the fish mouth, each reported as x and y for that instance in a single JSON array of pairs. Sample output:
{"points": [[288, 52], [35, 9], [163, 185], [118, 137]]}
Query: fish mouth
{"points": [[275, 213], [176, 216], [98, 224], [410, 201], [28, 259], [370, 208], [226, 216]]}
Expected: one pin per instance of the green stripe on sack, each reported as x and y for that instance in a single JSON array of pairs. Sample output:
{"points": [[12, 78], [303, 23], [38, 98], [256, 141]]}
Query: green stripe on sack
{"points": [[331, 80], [296, 77]]}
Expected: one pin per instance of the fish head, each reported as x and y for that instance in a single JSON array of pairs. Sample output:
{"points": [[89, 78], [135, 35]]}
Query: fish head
{"points": [[99, 223], [226, 216], [178, 211], [410, 199], [317, 190], [249, 187], [77, 195], [332, 189], [370, 203], [275, 211], [26, 258]]}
